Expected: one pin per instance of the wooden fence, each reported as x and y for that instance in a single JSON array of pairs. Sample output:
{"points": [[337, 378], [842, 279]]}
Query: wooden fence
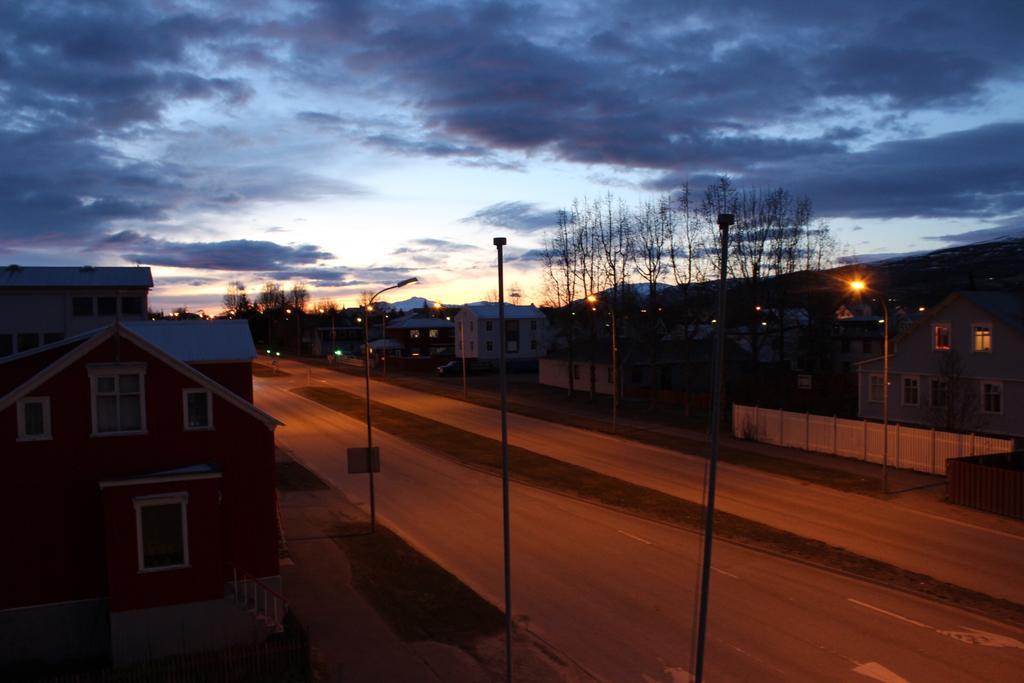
{"points": [[994, 483], [924, 450]]}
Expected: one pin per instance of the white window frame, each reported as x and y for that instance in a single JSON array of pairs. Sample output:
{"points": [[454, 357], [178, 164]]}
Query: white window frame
{"points": [[181, 498], [106, 370], [881, 383], [949, 337], [47, 434], [1002, 395], [414, 334], [433, 334], [903, 390], [931, 392], [974, 332], [185, 393]]}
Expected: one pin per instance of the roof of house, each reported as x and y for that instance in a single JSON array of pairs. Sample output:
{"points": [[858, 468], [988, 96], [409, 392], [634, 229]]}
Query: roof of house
{"points": [[197, 341], [486, 309], [75, 277], [1007, 306], [100, 335], [411, 322]]}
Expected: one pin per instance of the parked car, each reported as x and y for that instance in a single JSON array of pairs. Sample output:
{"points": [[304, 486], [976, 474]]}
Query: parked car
{"points": [[450, 369]]}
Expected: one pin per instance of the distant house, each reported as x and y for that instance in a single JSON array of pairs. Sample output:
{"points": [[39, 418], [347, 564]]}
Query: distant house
{"points": [[44, 304], [423, 336], [524, 336], [138, 482], [958, 368]]}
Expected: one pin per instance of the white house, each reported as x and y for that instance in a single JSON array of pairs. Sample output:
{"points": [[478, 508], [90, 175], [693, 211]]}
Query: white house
{"points": [[44, 304], [476, 325], [958, 368]]}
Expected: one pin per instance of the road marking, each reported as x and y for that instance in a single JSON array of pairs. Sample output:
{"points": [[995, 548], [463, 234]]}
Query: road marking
{"points": [[722, 571], [879, 673], [892, 614], [971, 636], [635, 538]]}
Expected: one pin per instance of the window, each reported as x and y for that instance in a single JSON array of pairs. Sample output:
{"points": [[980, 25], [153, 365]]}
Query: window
{"points": [[118, 399], [51, 337], [81, 305], [940, 337], [533, 344], [910, 391], [867, 346], [131, 305], [471, 325], [6, 344], [34, 419], [844, 345], [533, 325], [161, 528], [490, 346], [939, 393], [488, 325], [512, 346], [982, 338], [414, 334], [472, 347], [876, 390], [27, 340], [609, 374], [106, 305], [992, 397], [198, 409], [432, 334]]}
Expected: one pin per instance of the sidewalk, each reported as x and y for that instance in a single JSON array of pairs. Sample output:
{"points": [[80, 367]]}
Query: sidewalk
{"points": [[350, 640]]}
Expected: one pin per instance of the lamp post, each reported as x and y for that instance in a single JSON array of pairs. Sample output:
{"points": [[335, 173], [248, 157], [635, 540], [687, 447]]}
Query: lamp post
{"points": [[861, 286], [366, 362], [500, 242], [592, 298], [724, 221]]}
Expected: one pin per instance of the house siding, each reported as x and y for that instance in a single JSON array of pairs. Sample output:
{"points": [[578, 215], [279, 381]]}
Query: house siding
{"points": [[58, 480], [914, 356]]}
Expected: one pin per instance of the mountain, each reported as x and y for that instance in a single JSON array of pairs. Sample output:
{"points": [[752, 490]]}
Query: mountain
{"points": [[410, 304]]}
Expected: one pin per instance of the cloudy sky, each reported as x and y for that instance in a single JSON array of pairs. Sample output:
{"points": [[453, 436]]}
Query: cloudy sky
{"points": [[350, 144]]}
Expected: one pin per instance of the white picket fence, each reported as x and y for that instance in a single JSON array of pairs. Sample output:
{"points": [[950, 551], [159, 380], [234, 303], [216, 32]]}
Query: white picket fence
{"points": [[924, 450]]}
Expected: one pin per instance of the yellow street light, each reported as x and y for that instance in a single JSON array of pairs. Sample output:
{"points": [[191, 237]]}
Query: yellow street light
{"points": [[859, 285]]}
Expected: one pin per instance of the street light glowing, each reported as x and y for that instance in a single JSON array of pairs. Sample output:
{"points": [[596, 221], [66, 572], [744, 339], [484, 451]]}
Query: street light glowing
{"points": [[592, 298], [858, 285]]}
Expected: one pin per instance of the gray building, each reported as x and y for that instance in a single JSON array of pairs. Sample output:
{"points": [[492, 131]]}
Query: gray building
{"points": [[525, 334], [44, 304], [958, 368]]}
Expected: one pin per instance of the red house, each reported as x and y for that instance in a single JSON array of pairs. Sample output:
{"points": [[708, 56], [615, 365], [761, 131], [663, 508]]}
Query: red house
{"points": [[138, 485]]}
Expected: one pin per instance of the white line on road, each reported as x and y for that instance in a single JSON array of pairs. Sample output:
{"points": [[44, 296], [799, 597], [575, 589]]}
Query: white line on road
{"points": [[635, 538], [879, 673], [891, 614], [722, 571]]}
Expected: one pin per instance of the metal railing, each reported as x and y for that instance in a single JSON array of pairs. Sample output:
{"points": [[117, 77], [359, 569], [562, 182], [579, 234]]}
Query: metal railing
{"points": [[261, 600]]}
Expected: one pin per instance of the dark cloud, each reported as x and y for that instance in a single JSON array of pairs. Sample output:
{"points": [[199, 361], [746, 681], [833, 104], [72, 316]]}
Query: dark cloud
{"points": [[236, 255], [522, 217]]}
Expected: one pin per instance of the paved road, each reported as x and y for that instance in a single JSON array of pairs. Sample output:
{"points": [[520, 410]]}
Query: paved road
{"points": [[969, 549], [616, 593]]}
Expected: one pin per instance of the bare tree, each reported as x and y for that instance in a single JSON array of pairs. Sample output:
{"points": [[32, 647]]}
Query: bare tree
{"points": [[560, 282], [299, 296], [235, 299], [271, 297], [689, 246], [654, 223], [953, 398]]}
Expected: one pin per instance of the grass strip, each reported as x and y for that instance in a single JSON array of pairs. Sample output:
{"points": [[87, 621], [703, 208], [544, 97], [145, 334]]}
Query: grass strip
{"points": [[418, 599], [291, 476], [562, 477], [560, 410]]}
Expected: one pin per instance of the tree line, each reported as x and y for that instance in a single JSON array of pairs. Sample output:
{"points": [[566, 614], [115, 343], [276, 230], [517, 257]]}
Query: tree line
{"points": [[632, 255]]}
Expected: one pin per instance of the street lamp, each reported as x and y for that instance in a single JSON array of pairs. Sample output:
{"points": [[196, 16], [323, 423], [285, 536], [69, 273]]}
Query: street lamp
{"points": [[366, 363], [592, 299], [861, 286]]}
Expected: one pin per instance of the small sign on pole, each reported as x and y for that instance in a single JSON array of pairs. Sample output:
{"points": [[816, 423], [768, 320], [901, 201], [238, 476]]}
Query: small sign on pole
{"points": [[363, 460]]}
